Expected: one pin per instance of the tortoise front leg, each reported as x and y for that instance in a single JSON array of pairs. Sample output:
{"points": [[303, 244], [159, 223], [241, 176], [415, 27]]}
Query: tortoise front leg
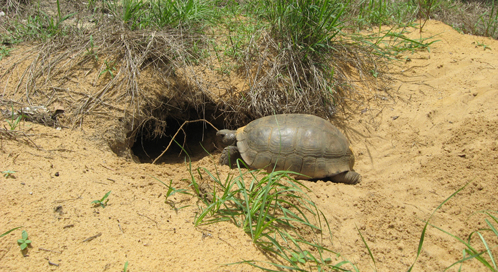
{"points": [[229, 156]]}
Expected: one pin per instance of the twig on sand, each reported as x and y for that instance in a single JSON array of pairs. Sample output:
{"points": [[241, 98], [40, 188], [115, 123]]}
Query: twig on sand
{"points": [[92, 237], [49, 250], [174, 136]]}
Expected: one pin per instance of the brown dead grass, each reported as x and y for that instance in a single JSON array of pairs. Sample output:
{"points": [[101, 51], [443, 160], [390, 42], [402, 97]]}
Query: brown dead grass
{"points": [[111, 73]]}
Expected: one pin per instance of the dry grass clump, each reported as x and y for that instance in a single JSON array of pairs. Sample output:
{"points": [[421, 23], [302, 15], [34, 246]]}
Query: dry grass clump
{"points": [[283, 80], [15, 6], [147, 75], [110, 60]]}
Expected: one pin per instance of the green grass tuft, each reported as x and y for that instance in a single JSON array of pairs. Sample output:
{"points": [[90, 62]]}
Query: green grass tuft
{"points": [[273, 209], [310, 25]]}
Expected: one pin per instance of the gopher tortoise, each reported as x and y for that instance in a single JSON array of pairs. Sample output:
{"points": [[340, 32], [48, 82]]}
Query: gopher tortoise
{"points": [[301, 143]]}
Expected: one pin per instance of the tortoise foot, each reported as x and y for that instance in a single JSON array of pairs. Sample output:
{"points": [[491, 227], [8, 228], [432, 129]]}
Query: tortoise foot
{"points": [[229, 156], [349, 177]]}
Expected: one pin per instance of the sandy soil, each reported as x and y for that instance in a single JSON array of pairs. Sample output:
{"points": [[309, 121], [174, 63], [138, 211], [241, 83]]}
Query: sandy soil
{"points": [[436, 132]]}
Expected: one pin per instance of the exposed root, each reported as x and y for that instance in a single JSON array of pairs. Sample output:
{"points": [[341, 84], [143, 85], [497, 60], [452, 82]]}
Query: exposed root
{"points": [[174, 136]]}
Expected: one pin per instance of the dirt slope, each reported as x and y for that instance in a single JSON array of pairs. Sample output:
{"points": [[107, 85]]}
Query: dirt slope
{"points": [[436, 132]]}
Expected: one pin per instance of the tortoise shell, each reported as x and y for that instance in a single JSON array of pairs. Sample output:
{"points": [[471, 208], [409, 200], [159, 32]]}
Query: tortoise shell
{"points": [[302, 143]]}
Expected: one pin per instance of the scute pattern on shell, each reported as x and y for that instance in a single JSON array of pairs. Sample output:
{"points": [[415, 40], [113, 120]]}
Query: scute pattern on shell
{"points": [[302, 143]]}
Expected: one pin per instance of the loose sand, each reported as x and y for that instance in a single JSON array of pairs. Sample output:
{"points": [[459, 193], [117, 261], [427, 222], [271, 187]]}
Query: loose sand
{"points": [[436, 131]]}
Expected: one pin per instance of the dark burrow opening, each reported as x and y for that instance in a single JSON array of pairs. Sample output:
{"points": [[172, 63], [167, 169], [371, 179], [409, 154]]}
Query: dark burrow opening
{"points": [[194, 140], [186, 112]]}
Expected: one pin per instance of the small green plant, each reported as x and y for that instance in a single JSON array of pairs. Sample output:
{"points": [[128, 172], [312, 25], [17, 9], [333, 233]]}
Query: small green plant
{"points": [[55, 25], [482, 44], [389, 43], [15, 119], [374, 73], [8, 173], [4, 51], [90, 50], [368, 248], [470, 252], [24, 242], [171, 191], [125, 269], [92, 5], [241, 32], [383, 12], [109, 68], [426, 9], [103, 201], [132, 10]]}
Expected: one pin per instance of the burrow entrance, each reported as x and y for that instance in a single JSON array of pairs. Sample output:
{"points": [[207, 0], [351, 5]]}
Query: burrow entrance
{"points": [[195, 139]]}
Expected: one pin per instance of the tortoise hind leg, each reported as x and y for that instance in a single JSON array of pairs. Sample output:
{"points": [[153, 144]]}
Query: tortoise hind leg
{"points": [[348, 177], [229, 156]]}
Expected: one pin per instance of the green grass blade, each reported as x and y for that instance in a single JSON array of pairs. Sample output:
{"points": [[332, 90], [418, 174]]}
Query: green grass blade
{"points": [[491, 225], [203, 214], [470, 257], [488, 250], [422, 236], [456, 237], [368, 248], [9, 231]]}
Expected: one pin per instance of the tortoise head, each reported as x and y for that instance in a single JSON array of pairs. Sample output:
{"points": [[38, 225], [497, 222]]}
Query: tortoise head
{"points": [[228, 137]]}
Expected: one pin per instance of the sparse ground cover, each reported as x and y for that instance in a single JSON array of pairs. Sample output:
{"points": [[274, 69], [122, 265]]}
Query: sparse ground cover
{"points": [[128, 75]]}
